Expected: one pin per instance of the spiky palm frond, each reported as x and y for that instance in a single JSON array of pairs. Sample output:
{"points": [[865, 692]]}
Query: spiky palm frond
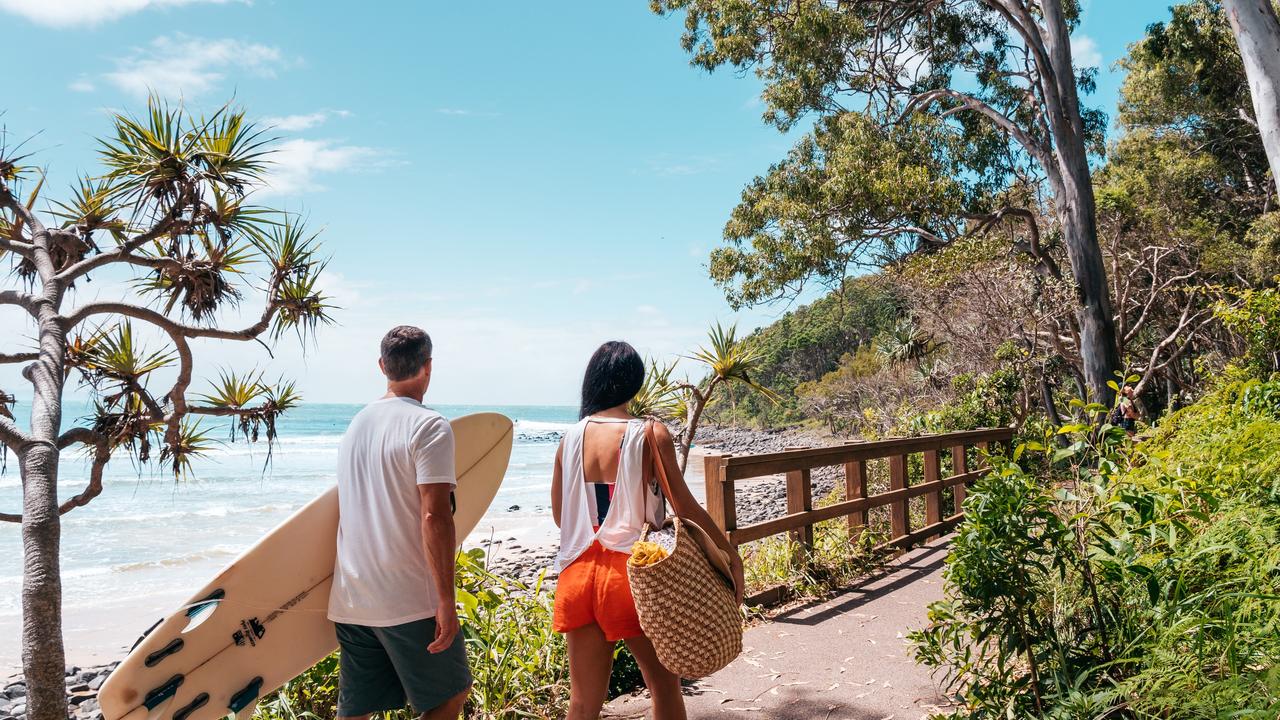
{"points": [[151, 158], [658, 396], [730, 359], [116, 367], [234, 392], [80, 347], [283, 396], [65, 248], [906, 343], [233, 150], [289, 247], [118, 355], [302, 307], [91, 208], [230, 214], [192, 443], [201, 279], [128, 424]]}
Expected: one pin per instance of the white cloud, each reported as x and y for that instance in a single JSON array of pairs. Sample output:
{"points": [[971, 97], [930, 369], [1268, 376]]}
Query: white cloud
{"points": [[81, 84], [1084, 50], [296, 123], [296, 164], [190, 66], [66, 13]]}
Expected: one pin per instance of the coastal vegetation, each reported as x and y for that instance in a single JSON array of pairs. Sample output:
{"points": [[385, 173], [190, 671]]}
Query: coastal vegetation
{"points": [[981, 274], [170, 221]]}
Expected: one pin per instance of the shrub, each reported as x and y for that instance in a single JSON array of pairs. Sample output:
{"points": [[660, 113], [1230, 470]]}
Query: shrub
{"points": [[1127, 581]]}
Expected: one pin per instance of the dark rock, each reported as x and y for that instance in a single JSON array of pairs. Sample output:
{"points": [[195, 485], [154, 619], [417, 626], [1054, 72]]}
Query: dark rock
{"points": [[78, 688], [513, 508], [73, 671]]}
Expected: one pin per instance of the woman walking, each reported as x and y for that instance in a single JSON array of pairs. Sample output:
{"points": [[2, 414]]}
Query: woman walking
{"points": [[602, 493]]}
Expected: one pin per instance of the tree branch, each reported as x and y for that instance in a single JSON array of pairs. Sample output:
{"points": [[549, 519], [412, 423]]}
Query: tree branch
{"points": [[168, 324], [101, 455], [124, 251], [22, 300], [1042, 154], [11, 435], [7, 359]]}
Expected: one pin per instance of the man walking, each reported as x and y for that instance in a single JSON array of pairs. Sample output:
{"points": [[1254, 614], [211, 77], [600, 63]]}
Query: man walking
{"points": [[393, 586]]}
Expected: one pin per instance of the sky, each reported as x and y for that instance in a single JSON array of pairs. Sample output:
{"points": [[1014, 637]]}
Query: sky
{"points": [[524, 180]]}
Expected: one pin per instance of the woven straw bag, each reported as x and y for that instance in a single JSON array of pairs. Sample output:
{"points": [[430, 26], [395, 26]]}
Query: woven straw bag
{"points": [[686, 601]]}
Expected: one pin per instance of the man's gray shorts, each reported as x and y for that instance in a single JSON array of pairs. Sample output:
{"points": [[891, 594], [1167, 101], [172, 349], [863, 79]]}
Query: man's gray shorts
{"points": [[382, 667]]}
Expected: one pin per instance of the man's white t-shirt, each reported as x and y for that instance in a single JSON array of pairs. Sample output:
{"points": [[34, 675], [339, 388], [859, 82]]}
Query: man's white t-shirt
{"points": [[381, 577]]}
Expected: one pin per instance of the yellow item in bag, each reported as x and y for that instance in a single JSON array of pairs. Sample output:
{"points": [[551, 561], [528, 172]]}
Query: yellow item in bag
{"points": [[646, 553]]}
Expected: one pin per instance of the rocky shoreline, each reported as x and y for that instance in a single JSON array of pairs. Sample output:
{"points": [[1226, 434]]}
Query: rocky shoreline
{"points": [[82, 693]]}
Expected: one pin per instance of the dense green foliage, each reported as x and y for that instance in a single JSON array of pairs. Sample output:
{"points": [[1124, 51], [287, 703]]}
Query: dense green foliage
{"points": [[1140, 580], [807, 343]]}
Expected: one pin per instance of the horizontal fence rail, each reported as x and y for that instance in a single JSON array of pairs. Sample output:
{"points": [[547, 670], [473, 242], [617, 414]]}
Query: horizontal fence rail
{"points": [[723, 471]]}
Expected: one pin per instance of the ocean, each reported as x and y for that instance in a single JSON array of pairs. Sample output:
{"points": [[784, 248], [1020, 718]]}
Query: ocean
{"points": [[147, 542]]}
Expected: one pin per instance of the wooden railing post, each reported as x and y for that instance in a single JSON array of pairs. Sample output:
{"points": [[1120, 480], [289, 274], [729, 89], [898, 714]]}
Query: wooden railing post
{"points": [[721, 505], [959, 466], [898, 510], [932, 501], [855, 486], [800, 499]]}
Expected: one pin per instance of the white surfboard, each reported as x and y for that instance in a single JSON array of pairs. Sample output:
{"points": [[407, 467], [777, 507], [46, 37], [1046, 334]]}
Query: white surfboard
{"points": [[263, 620]]}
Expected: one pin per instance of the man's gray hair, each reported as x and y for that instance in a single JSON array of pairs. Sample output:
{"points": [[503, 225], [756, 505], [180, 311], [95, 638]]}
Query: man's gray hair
{"points": [[405, 349]]}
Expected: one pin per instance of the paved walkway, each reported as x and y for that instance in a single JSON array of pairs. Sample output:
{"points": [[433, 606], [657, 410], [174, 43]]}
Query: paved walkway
{"points": [[845, 658]]}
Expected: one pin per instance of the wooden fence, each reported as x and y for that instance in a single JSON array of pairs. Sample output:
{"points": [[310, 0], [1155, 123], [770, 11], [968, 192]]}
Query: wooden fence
{"points": [[723, 471]]}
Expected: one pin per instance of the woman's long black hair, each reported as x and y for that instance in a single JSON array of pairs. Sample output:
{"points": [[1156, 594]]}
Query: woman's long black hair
{"points": [[614, 376]]}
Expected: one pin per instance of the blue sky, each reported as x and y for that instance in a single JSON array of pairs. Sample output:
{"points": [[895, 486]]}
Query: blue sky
{"points": [[524, 180]]}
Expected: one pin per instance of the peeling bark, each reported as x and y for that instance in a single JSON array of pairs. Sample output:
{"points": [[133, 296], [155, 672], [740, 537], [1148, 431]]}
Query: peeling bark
{"points": [[1257, 32]]}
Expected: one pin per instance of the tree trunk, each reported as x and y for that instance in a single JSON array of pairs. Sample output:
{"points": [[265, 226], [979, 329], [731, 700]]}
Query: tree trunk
{"points": [[1077, 212], [43, 657], [43, 660], [1257, 32]]}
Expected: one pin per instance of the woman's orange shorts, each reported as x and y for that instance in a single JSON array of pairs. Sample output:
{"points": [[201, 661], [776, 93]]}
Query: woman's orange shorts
{"points": [[594, 589]]}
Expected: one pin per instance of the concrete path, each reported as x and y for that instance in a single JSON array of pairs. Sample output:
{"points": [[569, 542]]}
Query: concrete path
{"points": [[845, 658]]}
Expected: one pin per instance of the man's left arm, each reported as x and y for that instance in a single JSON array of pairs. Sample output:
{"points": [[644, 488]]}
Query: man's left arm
{"points": [[436, 479], [439, 541]]}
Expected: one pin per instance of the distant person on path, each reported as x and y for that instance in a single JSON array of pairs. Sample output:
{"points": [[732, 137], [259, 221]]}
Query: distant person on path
{"points": [[603, 491], [393, 585], [1126, 412]]}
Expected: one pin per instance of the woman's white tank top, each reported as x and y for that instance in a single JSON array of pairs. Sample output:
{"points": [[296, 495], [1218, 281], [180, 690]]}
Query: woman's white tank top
{"points": [[635, 500]]}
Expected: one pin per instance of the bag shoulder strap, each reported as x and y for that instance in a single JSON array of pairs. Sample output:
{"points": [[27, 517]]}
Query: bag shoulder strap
{"points": [[651, 439]]}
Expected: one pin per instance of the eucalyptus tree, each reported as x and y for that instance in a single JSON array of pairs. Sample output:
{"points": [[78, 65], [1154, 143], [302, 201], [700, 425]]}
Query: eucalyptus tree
{"points": [[1257, 33], [935, 119], [170, 216]]}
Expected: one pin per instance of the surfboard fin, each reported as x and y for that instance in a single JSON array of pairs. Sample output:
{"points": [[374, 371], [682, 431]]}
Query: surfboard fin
{"points": [[247, 711], [244, 702], [198, 613]]}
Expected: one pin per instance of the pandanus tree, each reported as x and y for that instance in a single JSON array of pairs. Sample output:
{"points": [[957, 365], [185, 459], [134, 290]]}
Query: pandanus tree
{"points": [[169, 221], [729, 361]]}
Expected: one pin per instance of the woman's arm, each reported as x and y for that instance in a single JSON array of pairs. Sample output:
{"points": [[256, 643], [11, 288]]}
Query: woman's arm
{"points": [[687, 506], [557, 479]]}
